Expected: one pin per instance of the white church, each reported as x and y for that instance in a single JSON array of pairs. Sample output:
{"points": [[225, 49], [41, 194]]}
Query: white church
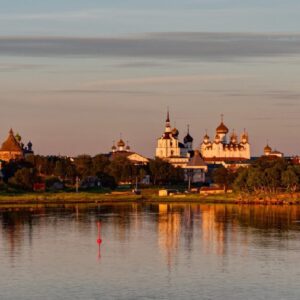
{"points": [[179, 154], [223, 148]]}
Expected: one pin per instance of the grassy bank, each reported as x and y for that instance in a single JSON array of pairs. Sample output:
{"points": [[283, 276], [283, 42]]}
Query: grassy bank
{"points": [[149, 195], [64, 197]]}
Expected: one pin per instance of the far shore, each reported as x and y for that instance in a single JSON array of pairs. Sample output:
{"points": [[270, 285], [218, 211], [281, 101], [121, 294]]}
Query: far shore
{"points": [[59, 198]]}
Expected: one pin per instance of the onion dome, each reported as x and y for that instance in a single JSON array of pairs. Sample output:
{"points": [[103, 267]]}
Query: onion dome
{"points": [[188, 138], [217, 138], [244, 137], [127, 147], [113, 148], [222, 129], [121, 143], [18, 138], [267, 149], [233, 138], [175, 132], [29, 145]]}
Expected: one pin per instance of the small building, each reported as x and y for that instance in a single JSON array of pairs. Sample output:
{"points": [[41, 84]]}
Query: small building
{"points": [[13, 148], [272, 153], [195, 169], [123, 150]]}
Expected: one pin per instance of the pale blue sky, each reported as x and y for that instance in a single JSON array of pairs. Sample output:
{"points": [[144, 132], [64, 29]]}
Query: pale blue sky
{"points": [[118, 65], [96, 17]]}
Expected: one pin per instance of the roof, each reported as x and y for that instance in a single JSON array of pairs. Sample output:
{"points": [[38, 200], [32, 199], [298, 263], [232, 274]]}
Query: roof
{"points": [[222, 128], [196, 161], [267, 148], [11, 144], [121, 143], [188, 139], [225, 159], [126, 154]]}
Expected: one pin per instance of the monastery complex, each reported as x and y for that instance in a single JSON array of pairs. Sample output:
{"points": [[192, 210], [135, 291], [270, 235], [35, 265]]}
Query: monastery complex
{"points": [[224, 148]]}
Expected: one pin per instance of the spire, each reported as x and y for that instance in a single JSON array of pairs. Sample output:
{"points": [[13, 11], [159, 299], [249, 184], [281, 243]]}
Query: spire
{"points": [[168, 116], [168, 125]]}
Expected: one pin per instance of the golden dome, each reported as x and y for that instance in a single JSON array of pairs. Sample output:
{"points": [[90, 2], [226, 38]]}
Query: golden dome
{"points": [[267, 149], [222, 129], [175, 132], [121, 143]]}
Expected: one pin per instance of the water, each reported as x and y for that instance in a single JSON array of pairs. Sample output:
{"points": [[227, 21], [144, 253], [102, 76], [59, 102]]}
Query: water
{"points": [[174, 251]]}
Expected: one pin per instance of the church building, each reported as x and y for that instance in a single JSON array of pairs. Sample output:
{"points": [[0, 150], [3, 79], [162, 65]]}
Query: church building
{"points": [[179, 154], [121, 149], [171, 149], [13, 148], [223, 148]]}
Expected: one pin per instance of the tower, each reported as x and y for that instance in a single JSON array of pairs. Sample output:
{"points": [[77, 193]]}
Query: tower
{"points": [[188, 140]]}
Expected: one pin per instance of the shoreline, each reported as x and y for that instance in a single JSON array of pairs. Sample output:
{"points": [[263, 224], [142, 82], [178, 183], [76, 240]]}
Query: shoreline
{"points": [[98, 198]]}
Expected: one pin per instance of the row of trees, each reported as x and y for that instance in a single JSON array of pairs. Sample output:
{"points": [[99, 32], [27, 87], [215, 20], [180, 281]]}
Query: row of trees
{"points": [[263, 176], [35, 168]]}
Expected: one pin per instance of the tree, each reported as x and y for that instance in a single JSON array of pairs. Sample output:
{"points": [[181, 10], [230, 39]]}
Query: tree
{"points": [[162, 172], [100, 164], [121, 169], [23, 179], [59, 170], [84, 165], [224, 177], [290, 180]]}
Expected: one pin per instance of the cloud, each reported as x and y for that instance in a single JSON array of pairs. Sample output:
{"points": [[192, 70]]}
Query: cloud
{"points": [[17, 67], [160, 80], [194, 46]]}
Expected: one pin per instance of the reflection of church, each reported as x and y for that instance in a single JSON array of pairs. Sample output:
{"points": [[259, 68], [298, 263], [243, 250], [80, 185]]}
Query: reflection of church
{"points": [[13, 148]]}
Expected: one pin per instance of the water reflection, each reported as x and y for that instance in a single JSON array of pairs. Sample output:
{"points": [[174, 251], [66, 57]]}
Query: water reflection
{"points": [[148, 249], [176, 224]]}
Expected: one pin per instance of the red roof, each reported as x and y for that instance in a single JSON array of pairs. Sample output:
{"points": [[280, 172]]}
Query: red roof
{"points": [[11, 144]]}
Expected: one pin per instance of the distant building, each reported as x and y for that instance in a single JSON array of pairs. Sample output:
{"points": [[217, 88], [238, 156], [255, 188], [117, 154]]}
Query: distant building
{"points": [[171, 149], [196, 168], [182, 155], [270, 153], [13, 148], [123, 150], [222, 149]]}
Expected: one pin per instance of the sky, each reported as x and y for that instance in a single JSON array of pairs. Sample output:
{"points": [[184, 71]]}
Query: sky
{"points": [[74, 75]]}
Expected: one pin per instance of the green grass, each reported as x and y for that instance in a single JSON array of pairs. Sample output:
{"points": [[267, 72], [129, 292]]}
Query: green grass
{"points": [[149, 195]]}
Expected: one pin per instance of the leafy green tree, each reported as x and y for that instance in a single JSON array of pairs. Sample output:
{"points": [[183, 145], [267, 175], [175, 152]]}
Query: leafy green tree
{"points": [[59, 170], [84, 165], [100, 164], [290, 180], [224, 177], [23, 179], [163, 172], [121, 169]]}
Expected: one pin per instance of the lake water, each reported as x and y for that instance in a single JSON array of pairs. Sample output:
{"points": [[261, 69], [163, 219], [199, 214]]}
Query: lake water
{"points": [[166, 251]]}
